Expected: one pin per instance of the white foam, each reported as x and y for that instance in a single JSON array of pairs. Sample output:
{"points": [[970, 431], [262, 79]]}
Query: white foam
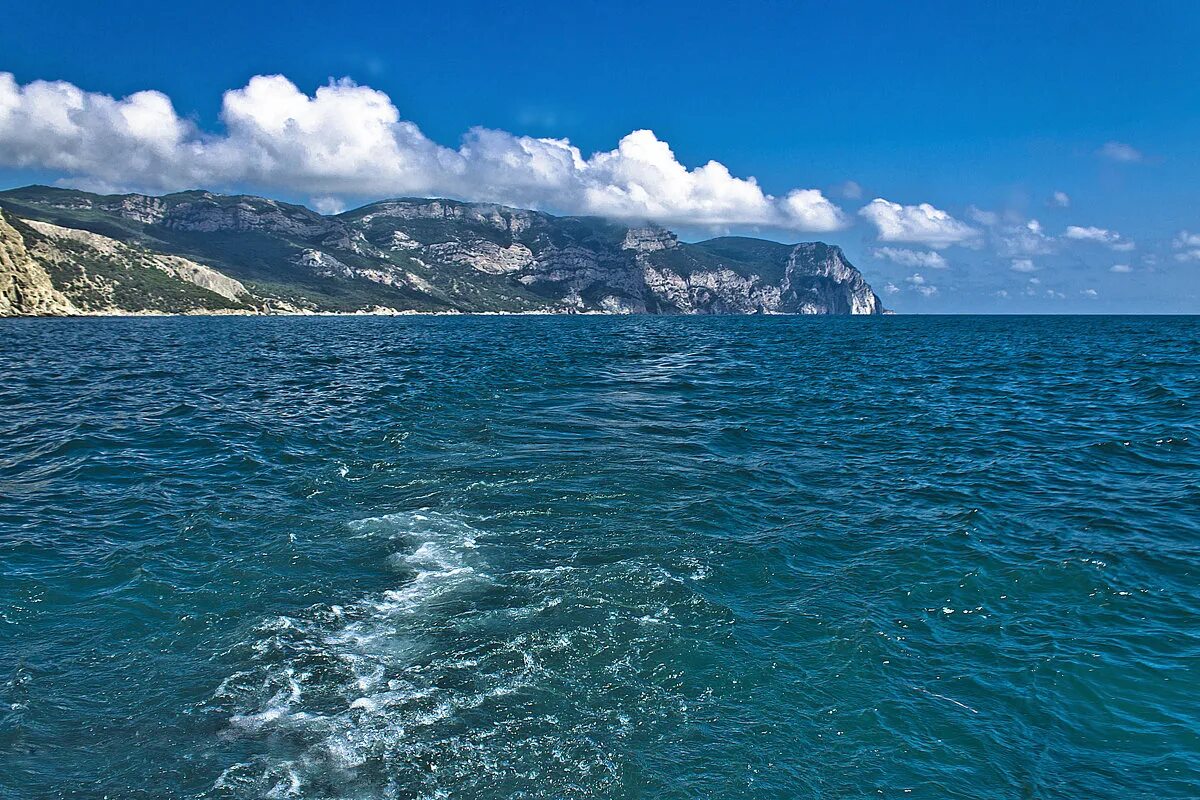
{"points": [[343, 699]]}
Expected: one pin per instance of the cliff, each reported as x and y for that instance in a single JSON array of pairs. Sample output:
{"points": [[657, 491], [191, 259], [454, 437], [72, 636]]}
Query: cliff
{"points": [[68, 252]]}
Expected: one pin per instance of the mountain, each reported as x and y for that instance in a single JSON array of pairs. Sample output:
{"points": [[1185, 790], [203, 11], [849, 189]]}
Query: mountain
{"points": [[64, 251]]}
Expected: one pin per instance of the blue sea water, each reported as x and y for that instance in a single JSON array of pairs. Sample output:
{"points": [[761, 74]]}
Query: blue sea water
{"points": [[635, 557]]}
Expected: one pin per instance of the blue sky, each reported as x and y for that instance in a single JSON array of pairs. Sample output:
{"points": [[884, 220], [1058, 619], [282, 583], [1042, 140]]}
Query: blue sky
{"points": [[983, 112]]}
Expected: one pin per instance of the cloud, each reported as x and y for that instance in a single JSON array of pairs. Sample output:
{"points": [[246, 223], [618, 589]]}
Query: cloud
{"points": [[1091, 294], [921, 224], [1120, 152], [1022, 265], [1110, 239], [1188, 245], [1011, 235], [1060, 200], [1120, 268], [347, 140], [891, 288], [850, 190], [327, 205], [918, 282], [1185, 239], [911, 258], [985, 218], [1024, 239]]}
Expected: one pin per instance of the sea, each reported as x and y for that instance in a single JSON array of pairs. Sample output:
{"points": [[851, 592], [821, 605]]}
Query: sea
{"points": [[600, 557]]}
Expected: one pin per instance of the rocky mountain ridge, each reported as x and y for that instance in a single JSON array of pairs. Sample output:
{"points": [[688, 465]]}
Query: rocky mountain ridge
{"points": [[69, 252]]}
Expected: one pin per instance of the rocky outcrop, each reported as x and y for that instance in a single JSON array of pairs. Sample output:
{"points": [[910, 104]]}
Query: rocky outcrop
{"points": [[819, 280], [113, 250], [485, 256], [322, 264], [648, 240], [25, 286]]}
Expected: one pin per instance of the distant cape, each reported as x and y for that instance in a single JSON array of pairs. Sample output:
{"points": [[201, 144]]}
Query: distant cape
{"points": [[67, 252]]}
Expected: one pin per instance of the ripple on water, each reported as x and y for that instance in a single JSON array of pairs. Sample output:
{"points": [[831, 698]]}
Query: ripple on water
{"points": [[658, 558]]}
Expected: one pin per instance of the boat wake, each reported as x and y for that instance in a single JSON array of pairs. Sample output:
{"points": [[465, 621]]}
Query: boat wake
{"points": [[464, 677]]}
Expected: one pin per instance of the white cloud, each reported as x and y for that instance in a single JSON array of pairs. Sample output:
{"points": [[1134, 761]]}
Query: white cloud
{"points": [[922, 224], [1120, 152], [1120, 268], [1185, 239], [929, 259], [1012, 235], [1001, 293], [918, 282], [850, 190], [1189, 246], [985, 218], [1027, 238], [1060, 200], [347, 140], [327, 205], [891, 288], [1110, 239], [1091, 294], [1023, 265]]}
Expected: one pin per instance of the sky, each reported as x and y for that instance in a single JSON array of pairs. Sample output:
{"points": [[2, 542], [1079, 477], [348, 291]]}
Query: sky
{"points": [[968, 157]]}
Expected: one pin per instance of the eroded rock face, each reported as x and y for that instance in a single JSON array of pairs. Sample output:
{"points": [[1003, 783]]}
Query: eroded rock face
{"points": [[649, 240], [323, 264], [819, 280], [140, 208], [184, 269], [267, 216], [485, 256], [512, 220], [25, 286]]}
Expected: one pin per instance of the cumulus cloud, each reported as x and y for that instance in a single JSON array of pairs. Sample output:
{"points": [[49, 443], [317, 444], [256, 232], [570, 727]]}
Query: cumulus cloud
{"points": [[1120, 152], [1120, 268], [922, 224], [1023, 265], [1110, 239], [347, 140], [1060, 200], [918, 282], [1188, 245], [1091, 294], [929, 259]]}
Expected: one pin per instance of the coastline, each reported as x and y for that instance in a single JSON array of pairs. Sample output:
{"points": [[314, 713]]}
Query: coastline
{"points": [[407, 313]]}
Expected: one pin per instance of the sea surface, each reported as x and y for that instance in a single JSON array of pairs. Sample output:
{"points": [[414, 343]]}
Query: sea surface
{"points": [[567, 557]]}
